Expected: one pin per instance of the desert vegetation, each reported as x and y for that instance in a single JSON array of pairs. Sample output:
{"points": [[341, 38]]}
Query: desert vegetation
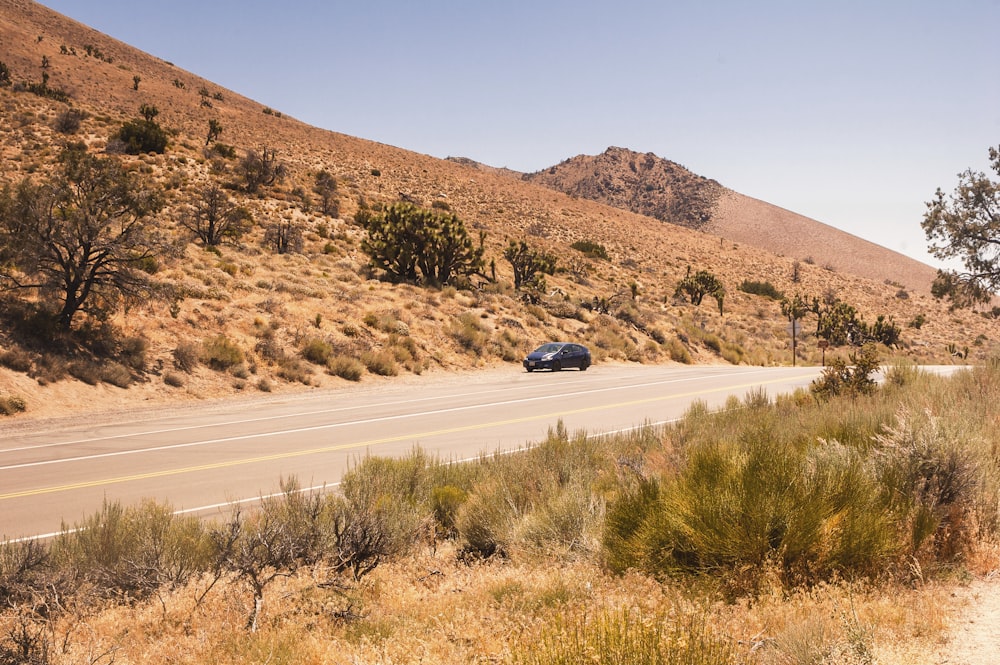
{"points": [[272, 243], [824, 526], [772, 531]]}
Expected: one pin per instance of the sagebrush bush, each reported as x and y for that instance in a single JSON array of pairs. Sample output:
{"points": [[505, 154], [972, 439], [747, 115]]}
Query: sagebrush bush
{"points": [[678, 351], [487, 519], [132, 352], [590, 248], [295, 371], [12, 404], [88, 371], [16, 359], [811, 510], [220, 353], [317, 351], [554, 510], [131, 552], [381, 363], [116, 374], [187, 356], [140, 136], [383, 511], [470, 332], [173, 379], [765, 289], [346, 367]]}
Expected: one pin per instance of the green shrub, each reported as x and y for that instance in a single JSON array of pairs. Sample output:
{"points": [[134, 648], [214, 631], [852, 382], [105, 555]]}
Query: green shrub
{"points": [[345, 367], [591, 249], [765, 289], [142, 136], [220, 353], [886, 331], [445, 502], [11, 404], [317, 351], [841, 378], [810, 512], [411, 244], [223, 150]]}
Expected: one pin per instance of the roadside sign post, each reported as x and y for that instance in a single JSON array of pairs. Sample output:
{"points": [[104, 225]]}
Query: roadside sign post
{"points": [[793, 329], [822, 344]]}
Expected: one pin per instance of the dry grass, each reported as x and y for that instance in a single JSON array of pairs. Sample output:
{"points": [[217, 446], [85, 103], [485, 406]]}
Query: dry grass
{"points": [[432, 609]]}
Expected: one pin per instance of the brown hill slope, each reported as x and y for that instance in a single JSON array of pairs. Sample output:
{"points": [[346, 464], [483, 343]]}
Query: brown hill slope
{"points": [[642, 183], [649, 185], [744, 219], [273, 307]]}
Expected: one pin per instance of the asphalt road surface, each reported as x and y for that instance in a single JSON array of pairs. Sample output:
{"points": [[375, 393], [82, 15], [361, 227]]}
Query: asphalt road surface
{"points": [[203, 458]]}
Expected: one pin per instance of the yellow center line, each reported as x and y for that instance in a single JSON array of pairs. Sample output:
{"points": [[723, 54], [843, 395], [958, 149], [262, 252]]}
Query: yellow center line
{"points": [[361, 444]]}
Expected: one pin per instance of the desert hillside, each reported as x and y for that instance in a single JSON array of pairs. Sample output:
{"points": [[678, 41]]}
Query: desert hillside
{"points": [[320, 316], [643, 183], [656, 187]]}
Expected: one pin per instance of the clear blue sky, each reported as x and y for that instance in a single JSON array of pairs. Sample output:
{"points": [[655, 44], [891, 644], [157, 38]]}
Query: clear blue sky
{"points": [[850, 112]]}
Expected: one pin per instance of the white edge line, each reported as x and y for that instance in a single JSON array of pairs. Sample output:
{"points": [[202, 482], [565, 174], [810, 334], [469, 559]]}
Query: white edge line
{"points": [[325, 486]]}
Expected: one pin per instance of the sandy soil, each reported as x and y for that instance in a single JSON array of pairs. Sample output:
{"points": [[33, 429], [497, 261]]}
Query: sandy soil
{"points": [[975, 633]]}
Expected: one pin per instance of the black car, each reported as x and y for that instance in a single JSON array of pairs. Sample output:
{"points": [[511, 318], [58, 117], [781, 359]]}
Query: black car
{"points": [[557, 356]]}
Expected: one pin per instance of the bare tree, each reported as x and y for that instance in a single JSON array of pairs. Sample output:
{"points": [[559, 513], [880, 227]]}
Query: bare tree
{"points": [[81, 240], [326, 188], [261, 169], [284, 237], [215, 217], [214, 131]]}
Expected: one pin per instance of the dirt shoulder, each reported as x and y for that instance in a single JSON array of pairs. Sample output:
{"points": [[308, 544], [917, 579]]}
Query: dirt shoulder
{"points": [[974, 638]]}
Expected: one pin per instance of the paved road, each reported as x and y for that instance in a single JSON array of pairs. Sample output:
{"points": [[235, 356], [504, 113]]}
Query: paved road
{"points": [[200, 459]]}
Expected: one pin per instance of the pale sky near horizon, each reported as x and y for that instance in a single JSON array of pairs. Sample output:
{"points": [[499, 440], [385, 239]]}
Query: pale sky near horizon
{"points": [[849, 112]]}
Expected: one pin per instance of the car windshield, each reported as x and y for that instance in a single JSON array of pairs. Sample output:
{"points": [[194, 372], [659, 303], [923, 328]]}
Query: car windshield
{"points": [[548, 348]]}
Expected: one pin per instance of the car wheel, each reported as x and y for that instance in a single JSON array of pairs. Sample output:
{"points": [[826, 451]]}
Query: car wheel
{"points": [[529, 369], [556, 366], [584, 365]]}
